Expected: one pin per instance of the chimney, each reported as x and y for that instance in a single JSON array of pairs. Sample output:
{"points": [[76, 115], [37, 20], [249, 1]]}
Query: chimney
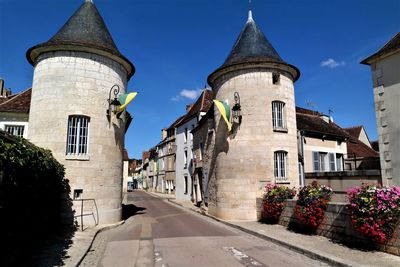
{"points": [[326, 118], [188, 107], [3, 91]]}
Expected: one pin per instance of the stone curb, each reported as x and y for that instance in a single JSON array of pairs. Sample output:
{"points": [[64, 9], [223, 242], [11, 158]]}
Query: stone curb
{"points": [[108, 227], [311, 254]]}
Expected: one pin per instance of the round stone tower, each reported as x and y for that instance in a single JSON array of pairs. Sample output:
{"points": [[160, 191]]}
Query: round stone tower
{"points": [[73, 74], [263, 147]]}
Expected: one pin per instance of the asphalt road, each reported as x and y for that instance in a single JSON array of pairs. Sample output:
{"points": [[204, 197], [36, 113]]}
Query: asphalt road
{"points": [[164, 235]]}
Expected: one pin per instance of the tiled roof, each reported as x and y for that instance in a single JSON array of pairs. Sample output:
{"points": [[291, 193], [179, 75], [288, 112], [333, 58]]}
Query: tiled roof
{"points": [[311, 122], [354, 131], [202, 104], [145, 155], [307, 111], [86, 31], [253, 47], [252, 43], [389, 47], [19, 103], [357, 148]]}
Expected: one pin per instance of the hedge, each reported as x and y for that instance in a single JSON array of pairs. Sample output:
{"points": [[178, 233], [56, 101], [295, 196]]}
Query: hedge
{"points": [[33, 191]]}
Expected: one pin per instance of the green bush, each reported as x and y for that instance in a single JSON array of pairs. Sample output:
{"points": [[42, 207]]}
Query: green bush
{"points": [[33, 191]]}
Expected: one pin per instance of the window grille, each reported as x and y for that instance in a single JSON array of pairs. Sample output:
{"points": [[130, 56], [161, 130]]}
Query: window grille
{"points": [[78, 135], [16, 130], [278, 114], [280, 158]]}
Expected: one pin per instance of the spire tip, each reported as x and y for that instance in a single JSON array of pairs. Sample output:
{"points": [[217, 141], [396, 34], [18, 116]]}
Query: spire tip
{"points": [[250, 18]]}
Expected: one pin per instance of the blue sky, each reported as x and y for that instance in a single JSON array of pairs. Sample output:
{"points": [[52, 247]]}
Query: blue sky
{"points": [[176, 44]]}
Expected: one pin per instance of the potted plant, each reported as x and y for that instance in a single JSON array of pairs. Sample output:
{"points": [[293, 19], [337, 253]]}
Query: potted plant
{"points": [[274, 200], [375, 211], [311, 205]]}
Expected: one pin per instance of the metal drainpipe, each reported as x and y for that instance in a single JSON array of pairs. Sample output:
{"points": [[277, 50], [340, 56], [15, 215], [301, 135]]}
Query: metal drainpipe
{"points": [[302, 179]]}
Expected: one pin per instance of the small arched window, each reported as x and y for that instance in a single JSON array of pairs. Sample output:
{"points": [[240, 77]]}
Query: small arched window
{"points": [[78, 135], [280, 165], [278, 115]]}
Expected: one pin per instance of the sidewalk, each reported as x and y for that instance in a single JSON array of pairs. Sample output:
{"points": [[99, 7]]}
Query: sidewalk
{"points": [[82, 241], [316, 247]]}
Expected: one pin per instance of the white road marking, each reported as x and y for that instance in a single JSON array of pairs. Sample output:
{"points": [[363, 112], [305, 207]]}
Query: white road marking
{"points": [[242, 257]]}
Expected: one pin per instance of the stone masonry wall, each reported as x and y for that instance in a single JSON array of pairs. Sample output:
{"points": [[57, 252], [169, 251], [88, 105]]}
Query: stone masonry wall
{"points": [[78, 83], [245, 159], [338, 227]]}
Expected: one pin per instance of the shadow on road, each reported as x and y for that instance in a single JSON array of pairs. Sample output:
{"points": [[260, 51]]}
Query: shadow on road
{"points": [[131, 210]]}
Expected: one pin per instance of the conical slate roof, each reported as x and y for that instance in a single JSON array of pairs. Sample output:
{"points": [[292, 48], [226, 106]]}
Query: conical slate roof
{"points": [[85, 31], [252, 47], [252, 44]]}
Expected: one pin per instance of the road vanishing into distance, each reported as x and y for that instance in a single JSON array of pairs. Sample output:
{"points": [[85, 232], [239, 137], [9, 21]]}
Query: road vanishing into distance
{"points": [[162, 234]]}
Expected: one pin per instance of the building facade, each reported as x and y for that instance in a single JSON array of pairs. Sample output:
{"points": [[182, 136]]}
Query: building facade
{"points": [[185, 183], [322, 143], [385, 66], [263, 147], [73, 74], [14, 111]]}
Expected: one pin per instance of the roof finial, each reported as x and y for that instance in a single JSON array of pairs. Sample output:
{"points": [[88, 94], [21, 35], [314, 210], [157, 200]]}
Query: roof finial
{"points": [[250, 18], [90, 1]]}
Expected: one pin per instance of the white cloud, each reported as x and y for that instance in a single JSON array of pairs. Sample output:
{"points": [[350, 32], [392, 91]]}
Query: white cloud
{"points": [[190, 94], [175, 98], [331, 63]]}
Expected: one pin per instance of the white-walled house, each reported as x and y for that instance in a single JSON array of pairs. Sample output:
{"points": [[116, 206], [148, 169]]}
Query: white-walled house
{"points": [[184, 146], [14, 111], [321, 143]]}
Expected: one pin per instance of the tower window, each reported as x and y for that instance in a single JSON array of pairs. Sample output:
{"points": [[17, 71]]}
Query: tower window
{"points": [[278, 115], [280, 165], [276, 78], [78, 135], [78, 193]]}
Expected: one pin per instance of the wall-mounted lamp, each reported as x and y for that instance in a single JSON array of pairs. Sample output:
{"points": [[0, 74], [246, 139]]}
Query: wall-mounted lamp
{"points": [[236, 109], [113, 104]]}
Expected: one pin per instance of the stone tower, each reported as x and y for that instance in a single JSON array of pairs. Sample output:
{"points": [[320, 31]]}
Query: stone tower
{"points": [[263, 148], [73, 74]]}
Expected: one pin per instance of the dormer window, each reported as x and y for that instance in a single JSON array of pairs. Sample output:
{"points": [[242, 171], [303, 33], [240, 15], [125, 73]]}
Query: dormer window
{"points": [[276, 78]]}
